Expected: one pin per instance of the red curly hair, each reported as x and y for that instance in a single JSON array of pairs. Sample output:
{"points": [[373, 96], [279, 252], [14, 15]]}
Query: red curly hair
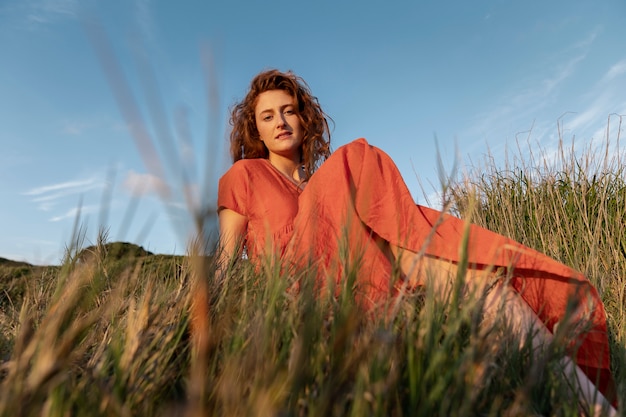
{"points": [[245, 142]]}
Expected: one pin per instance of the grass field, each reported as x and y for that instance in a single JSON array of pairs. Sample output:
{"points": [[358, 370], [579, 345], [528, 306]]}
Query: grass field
{"points": [[118, 331]]}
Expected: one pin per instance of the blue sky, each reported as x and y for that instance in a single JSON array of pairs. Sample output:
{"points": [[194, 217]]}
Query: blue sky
{"points": [[475, 75]]}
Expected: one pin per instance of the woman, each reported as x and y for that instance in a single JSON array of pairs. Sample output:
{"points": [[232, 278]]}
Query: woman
{"points": [[285, 196]]}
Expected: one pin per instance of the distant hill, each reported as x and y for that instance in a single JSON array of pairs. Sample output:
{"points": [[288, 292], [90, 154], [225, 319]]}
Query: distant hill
{"points": [[9, 262], [115, 251], [16, 276]]}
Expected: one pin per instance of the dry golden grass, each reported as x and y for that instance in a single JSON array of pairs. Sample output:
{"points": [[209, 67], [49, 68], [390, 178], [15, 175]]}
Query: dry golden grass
{"points": [[155, 335]]}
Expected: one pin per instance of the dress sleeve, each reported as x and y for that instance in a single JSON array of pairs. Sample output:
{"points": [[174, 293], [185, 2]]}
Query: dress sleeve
{"points": [[232, 190]]}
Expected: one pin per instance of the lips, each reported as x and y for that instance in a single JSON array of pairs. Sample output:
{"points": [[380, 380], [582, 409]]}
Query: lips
{"points": [[283, 135]]}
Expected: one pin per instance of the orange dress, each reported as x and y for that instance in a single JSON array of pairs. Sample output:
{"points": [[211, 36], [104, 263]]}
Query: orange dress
{"points": [[358, 196]]}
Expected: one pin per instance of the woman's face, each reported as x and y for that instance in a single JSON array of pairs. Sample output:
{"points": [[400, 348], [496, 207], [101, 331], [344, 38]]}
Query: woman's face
{"points": [[278, 124]]}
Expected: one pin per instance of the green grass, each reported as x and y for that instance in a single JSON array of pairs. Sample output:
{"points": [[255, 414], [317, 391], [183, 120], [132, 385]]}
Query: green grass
{"points": [[572, 208], [117, 331]]}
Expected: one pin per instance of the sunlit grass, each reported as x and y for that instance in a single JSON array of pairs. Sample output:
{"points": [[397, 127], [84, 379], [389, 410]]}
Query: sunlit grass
{"points": [[109, 333], [570, 205]]}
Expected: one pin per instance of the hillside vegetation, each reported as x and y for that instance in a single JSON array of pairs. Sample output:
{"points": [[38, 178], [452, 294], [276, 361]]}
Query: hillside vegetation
{"points": [[118, 331]]}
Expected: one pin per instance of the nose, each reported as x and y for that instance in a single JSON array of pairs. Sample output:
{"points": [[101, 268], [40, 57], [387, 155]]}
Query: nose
{"points": [[280, 121]]}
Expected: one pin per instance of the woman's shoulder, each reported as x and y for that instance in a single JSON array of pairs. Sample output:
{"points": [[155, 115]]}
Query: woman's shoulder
{"points": [[249, 163], [234, 186], [244, 167]]}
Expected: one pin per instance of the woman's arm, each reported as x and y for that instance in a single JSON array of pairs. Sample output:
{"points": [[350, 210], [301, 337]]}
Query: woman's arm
{"points": [[232, 232]]}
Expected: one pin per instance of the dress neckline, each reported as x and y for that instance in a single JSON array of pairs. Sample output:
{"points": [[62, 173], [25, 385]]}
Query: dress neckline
{"points": [[299, 185]]}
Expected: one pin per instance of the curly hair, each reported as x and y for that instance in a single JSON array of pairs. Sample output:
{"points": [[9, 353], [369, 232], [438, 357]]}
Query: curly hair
{"points": [[244, 138]]}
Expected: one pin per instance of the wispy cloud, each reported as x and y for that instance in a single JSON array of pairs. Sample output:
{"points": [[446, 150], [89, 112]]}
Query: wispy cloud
{"points": [[67, 185], [74, 212], [34, 15], [520, 112], [603, 99], [74, 128], [560, 75], [595, 113], [614, 126], [518, 109], [615, 71], [138, 184], [40, 12], [586, 42], [49, 196]]}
